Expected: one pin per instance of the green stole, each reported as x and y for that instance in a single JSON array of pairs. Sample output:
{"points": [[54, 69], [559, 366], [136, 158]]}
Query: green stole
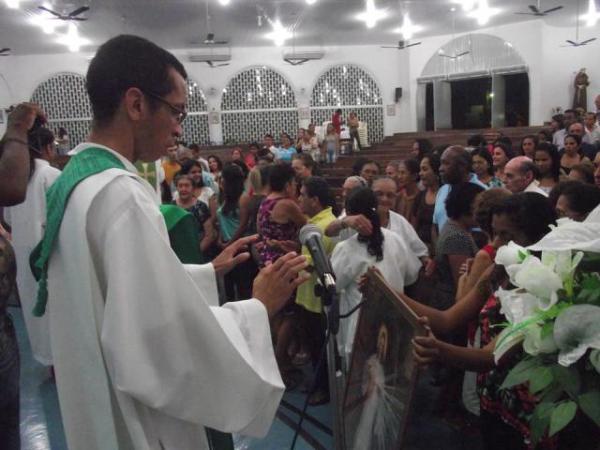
{"points": [[183, 233], [89, 162], [92, 161]]}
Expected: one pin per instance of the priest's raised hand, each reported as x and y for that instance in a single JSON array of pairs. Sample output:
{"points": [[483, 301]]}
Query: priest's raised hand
{"points": [[234, 254]]}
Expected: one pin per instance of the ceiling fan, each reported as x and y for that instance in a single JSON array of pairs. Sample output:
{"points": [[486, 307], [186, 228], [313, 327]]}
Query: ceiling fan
{"points": [[73, 15], [5, 51], [441, 51], [212, 64], [210, 36], [576, 42], [535, 10], [458, 55], [401, 45]]}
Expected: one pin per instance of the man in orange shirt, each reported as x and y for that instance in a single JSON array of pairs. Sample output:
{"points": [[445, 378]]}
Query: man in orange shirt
{"points": [[170, 164]]}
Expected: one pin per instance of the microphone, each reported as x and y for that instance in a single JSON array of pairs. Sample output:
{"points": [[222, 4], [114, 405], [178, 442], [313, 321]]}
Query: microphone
{"points": [[312, 237]]}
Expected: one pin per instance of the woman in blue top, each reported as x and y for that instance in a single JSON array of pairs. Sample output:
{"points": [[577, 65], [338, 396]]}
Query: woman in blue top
{"points": [[238, 282], [286, 151]]}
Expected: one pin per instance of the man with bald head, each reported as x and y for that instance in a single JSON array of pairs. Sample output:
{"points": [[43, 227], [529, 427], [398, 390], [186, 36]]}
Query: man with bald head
{"points": [[455, 168], [520, 174]]}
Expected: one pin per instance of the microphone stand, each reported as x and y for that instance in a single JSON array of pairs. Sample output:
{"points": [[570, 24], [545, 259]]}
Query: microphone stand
{"points": [[330, 300], [326, 290]]}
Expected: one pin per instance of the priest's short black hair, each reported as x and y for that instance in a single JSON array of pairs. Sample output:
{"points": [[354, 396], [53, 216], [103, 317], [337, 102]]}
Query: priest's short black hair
{"points": [[124, 62]]}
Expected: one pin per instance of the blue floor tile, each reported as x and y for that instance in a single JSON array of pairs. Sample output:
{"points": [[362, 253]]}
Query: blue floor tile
{"points": [[41, 425]]}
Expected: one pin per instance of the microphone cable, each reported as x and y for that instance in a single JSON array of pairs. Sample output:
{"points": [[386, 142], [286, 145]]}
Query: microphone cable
{"points": [[322, 357]]}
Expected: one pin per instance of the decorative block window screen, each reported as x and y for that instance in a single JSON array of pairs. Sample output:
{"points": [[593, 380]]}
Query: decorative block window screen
{"points": [[256, 101], [349, 88], [64, 99]]}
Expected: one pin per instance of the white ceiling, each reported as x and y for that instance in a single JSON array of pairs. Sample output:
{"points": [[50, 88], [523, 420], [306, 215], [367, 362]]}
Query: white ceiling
{"points": [[182, 23]]}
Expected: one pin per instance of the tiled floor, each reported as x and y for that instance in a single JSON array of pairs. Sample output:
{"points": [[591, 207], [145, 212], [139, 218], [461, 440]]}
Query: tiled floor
{"points": [[41, 426]]}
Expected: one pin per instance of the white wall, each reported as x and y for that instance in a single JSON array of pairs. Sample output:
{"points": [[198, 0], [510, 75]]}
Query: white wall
{"points": [[388, 67], [551, 70]]}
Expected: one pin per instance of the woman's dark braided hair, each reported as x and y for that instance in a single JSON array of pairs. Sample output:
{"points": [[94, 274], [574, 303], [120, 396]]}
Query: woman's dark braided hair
{"points": [[362, 200]]}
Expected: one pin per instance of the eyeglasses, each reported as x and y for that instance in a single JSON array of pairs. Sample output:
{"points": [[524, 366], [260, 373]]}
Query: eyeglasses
{"points": [[180, 114]]}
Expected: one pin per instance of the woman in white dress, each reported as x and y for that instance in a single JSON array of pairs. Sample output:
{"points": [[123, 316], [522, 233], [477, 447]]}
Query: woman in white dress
{"points": [[351, 258], [27, 221]]}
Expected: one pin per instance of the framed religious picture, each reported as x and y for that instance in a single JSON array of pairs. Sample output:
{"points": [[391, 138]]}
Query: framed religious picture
{"points": [[382, 375]]}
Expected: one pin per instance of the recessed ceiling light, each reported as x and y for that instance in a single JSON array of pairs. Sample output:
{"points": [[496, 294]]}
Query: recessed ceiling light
{"points": [[371, 15], [408, 29], [311, 2], [483, 13], [279, 34], [467, 5], [47, 24], [224, 2], [592, 16], [72, 39]]}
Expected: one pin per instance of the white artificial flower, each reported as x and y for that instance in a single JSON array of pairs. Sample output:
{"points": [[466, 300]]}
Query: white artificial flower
{"points": [[570, 235], [539, 280], [510, 254], [534, 344], [561, 262], [576, 330], [517, 305], [595, 359]]}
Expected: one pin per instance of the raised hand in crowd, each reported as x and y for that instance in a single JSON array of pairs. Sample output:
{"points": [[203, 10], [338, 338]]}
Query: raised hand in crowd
{"points": [[14, 154], [357, 222], [285, 246]]}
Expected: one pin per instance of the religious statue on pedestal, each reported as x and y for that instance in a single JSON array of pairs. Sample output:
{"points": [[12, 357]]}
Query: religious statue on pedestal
{"points": [[581, 84]]}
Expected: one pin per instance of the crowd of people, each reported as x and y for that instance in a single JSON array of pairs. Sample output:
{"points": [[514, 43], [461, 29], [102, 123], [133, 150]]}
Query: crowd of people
{"points": [[430, 223]]}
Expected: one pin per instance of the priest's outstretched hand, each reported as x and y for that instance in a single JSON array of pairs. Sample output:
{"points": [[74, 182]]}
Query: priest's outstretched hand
{"points": [[233, 254], [276, 282]]}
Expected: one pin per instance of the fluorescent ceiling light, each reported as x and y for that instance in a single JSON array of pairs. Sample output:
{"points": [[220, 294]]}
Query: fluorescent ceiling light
{"points": [[224, 2], [279, 34], [12, 4], [592, 16], [72, 39], [371, 15], [483, 13], [408, 29], [311, 2]]}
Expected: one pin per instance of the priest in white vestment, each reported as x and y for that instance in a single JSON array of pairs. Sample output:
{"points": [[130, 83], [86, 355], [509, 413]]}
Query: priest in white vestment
{"points": [[27, 222], [144, 357]]}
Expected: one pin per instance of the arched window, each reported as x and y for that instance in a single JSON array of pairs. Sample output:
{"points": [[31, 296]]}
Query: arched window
{"points": [[256, 101], [349, 88], [483, 54], [195, 127], [64, 99]]}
